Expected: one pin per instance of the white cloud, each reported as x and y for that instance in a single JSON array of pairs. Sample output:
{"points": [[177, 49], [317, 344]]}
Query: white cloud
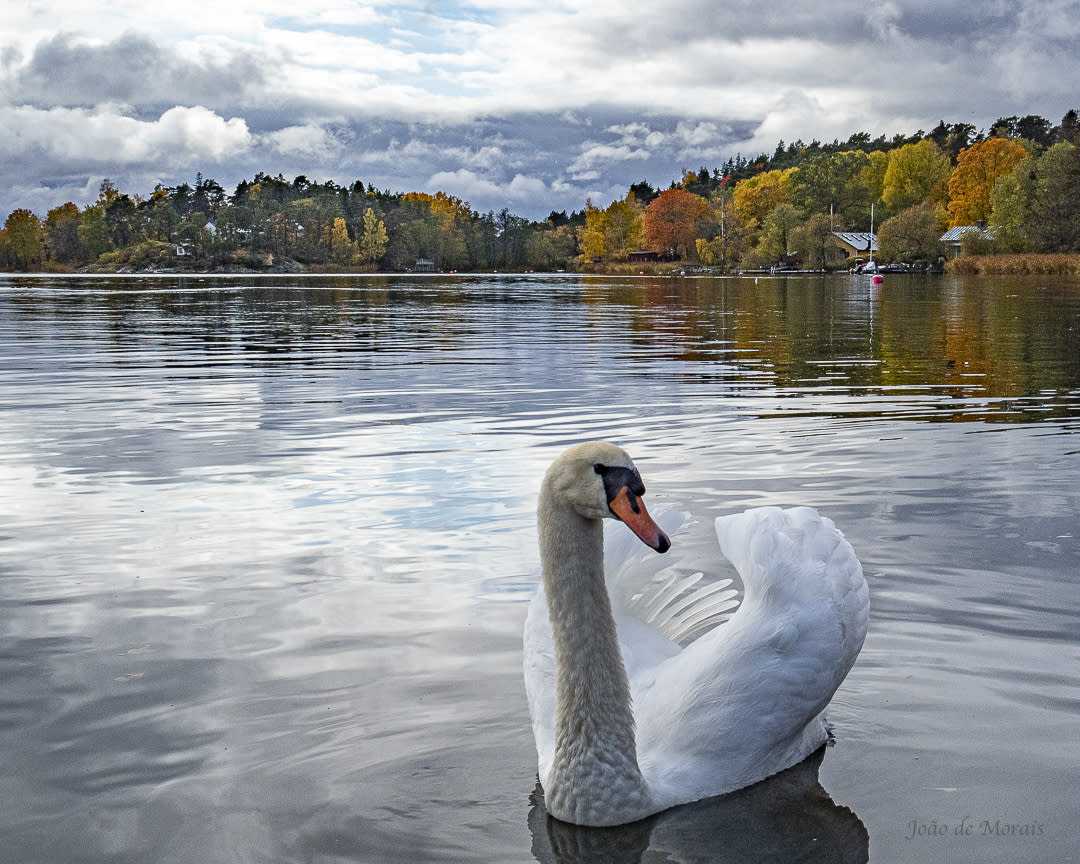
{"points": [[108, 135], [464, 183], [313, 142], [595, 155], [470, 185], [522, 188]]}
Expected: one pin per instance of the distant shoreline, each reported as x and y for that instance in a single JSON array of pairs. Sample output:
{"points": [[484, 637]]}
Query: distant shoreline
{"points": [[1033, 264]]}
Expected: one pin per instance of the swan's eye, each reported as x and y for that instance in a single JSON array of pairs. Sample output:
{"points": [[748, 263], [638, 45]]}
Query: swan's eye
{"points": [[616, 478]]}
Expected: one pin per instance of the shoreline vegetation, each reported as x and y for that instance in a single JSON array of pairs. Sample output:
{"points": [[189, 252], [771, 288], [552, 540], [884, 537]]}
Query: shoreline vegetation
{"points": [[1015, 265], [1010, 195]]}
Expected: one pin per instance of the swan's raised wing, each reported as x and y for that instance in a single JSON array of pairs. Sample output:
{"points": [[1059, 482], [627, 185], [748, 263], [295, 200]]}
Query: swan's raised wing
{"points": [[745, 700], [661, 603], [797, 565]]}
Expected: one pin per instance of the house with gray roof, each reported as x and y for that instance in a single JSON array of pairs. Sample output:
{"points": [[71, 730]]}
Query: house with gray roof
{"points": [[855, 244], [953, 239]]}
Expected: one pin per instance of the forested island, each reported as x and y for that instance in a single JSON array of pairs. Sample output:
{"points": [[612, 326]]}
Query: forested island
{"points": [[1017, 186]]}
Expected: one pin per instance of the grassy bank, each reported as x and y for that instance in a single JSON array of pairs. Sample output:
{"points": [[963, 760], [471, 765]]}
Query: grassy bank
{"points": [[1037, 265]]}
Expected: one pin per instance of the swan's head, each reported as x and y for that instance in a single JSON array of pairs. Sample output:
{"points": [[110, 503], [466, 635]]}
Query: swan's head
{"points": [[599, 481]]}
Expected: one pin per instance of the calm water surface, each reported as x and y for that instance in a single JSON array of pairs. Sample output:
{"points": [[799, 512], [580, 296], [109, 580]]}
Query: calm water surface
{"points": [[266, 545]]}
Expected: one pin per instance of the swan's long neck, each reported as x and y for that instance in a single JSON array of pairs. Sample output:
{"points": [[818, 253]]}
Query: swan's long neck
{"points": [[594, 777]]}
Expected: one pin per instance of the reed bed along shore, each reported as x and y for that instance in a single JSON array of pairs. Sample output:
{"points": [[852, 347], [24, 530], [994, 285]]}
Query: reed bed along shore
{"points": [[1005, 265]]}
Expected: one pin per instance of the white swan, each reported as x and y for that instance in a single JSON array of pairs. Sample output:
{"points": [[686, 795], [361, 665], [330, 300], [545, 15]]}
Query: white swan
{"points": [[627, 723]]}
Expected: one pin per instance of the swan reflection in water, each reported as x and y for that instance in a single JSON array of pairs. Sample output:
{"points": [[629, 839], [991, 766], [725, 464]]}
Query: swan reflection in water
{"points": [[786, 818]]}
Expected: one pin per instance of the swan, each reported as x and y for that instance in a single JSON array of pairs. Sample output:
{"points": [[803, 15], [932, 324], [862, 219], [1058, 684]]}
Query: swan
{"points": [[629, 723]]}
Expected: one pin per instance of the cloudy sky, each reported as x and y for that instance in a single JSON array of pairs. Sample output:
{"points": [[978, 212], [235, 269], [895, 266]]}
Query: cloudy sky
{"points": [[531, 104]]}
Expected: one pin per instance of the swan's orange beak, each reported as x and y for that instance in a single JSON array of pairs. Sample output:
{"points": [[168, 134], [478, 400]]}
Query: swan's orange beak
{"points": [[631, 510]]}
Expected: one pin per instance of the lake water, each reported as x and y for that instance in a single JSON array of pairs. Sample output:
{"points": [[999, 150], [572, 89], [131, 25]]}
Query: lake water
{"points": [[266, 546]]}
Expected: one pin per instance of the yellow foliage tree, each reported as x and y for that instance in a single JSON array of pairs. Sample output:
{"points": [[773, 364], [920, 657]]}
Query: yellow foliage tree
{"points": [[756, 197], [626, 226], [972, 181], [916, 173], [593, 244], [374, 240], [872, 177], [614, 232], [343, 250]]}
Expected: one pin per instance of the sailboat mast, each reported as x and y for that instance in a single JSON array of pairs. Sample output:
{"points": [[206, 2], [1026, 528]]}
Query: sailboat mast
{"points": [[870, 241]]}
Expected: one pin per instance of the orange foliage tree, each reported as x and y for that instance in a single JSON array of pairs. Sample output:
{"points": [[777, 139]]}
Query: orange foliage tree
{"points": [[972, 181], [671, 220]]}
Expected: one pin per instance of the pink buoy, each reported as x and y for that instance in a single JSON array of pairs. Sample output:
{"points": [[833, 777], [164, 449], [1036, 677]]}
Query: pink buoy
{"points": [[877, 279]]}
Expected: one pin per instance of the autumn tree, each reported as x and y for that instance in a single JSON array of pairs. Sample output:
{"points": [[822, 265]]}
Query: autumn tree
{"points": [[916, 172], [107, 193], [374, 239], [593, 239], [313, 217], [872, 175], [450, 214], [913, 234], [614, 232], [672, 218], [625, 228], [977, 169], [22, 230], [755, 196], [343, 250]]}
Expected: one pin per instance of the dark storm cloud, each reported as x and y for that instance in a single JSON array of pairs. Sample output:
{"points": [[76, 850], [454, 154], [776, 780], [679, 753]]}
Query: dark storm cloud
{"points": [[131, 70], [841, 22]]}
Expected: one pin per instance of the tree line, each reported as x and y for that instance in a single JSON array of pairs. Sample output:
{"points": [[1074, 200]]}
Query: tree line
{"points": [[1022, 178]]}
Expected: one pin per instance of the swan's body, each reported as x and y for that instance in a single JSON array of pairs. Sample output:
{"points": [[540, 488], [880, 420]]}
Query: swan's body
{"points": [[627, 723]]}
